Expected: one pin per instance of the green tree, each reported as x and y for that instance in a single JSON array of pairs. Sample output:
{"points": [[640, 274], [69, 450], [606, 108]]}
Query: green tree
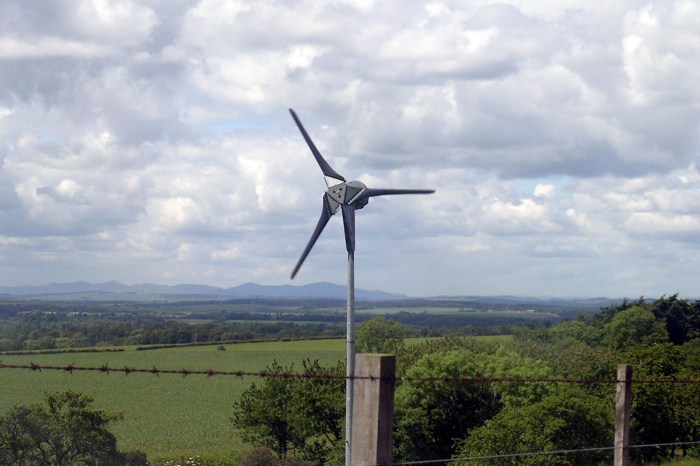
{"points": [[634, 326], [681, 318], [264, 414], [507, 364], [319, 406], [6, 344], [19, 429], [408, 355], [566, 419], [46, 342], [432, 416], [578, 330], [664, 413], [379, 335], [295, 416], [573, 359], [65, 430]]}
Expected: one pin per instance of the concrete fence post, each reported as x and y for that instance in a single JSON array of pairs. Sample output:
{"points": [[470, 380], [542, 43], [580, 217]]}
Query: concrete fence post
{"points": [[623, 413], [373, 409]]}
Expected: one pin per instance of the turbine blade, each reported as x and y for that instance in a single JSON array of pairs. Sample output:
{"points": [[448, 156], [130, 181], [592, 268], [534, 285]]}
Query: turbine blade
{"points": [[326, 214], [328, 172], [370, 192], [349, 227]]}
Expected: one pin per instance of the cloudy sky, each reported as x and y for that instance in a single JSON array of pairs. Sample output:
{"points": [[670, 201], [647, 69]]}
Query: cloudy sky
{"points": [[150, 141]]}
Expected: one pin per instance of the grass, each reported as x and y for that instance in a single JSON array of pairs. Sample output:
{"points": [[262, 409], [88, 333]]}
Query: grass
{"points": [[169, 415]]}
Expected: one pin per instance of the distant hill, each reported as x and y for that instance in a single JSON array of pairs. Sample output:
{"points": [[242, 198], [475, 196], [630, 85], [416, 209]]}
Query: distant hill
{"points": [[115, 290], [542, 302], [148, 292]]}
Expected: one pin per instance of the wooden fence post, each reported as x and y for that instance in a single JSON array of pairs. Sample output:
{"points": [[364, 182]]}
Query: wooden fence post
{"points": [[373, 409], [623, 408]]}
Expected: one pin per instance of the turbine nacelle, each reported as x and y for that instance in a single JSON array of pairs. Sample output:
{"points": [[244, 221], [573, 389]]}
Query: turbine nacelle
{"points": [[347, 196], [347, 193]]}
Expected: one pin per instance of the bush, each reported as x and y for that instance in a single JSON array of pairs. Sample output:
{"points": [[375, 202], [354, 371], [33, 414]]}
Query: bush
{"points": [[262, 456], [568, 419], [135, 458], [63, 431]]}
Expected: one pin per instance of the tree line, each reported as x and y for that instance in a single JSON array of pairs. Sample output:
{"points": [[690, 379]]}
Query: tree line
{"points": [[441, 420], [35, 330], [46, 332]]}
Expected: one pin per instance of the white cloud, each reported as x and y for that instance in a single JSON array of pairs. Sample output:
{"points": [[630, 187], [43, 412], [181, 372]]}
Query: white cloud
{"points": [[124, 22], [173, 214], [49, 47], [151, 142], [655, 223], [545, 190]]}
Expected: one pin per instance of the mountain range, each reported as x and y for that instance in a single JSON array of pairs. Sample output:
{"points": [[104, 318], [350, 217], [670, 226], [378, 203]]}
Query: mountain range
{"points": [[113, 289]]}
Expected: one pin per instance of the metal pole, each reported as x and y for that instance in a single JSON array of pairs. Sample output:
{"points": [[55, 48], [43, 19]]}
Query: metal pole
{"points": [[350, 359]]}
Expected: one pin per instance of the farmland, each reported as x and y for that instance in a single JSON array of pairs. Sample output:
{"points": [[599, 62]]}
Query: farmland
{"points": [[171, 416], [168, 415], [41, 324]]}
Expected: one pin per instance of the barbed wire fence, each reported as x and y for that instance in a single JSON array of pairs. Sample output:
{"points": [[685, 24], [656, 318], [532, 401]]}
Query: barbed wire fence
{"points": [[126, 370], [538, 453], [377, 449]]}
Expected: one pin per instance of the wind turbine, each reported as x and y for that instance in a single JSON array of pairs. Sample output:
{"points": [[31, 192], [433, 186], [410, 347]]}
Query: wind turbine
{"points": [[347, 196]]}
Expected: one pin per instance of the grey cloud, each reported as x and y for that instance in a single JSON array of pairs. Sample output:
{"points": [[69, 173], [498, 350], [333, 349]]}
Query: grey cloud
{"points": [[8, 197], [56, 195], [168, 128], [529, 124], [54, 80], [26, 18], [168, 28]]}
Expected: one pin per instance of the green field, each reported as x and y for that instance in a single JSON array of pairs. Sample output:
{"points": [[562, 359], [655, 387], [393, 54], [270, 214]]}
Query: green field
{"points": [[168, 415], [442, 310]]}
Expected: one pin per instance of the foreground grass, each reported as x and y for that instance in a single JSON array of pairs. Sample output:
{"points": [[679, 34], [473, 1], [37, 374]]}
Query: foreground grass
{"points": [[169, 415], [685, 462]]}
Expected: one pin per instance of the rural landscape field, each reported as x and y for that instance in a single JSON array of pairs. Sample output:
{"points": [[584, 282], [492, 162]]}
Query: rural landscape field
{"points": [[169, 415], [172, 417]]}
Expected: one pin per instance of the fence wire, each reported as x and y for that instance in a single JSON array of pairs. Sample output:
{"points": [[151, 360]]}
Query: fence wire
{"points": [[126, 370], [541, 453]]}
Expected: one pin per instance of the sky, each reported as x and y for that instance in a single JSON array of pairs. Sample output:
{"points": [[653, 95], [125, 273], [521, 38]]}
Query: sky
{"points": [[150, 142]]}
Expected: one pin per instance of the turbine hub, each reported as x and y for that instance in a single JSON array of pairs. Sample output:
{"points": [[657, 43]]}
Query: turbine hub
{"points": [[356, 187], [347, 193]]}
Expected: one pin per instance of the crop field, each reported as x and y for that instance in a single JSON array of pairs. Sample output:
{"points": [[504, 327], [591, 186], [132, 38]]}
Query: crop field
{"points": [[457, 311], [167, 415]]}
